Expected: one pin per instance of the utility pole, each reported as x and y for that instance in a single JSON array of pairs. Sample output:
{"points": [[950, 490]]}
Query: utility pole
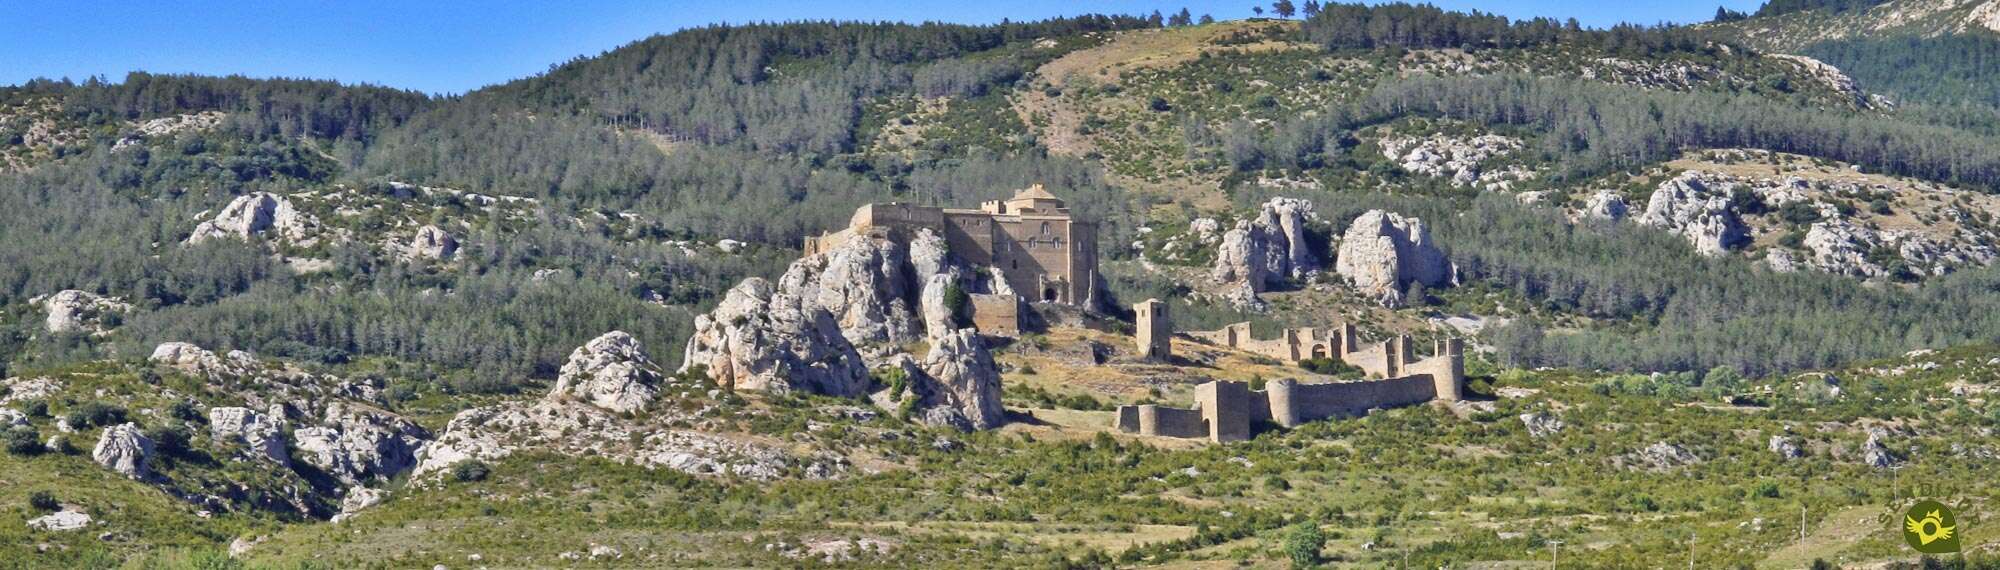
{"points": [[1802, 525], [1555, 550], [1691, 537]]}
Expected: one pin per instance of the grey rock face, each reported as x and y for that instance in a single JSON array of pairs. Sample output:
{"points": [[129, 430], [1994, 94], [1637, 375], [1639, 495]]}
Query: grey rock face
{"points": [[1606, 205], [610, 372], [192, 359], [1269, 248], [965, 379], [1784, 447], [938, 317], [252, 215], [356, 444], [1383, 252], [1876, 455], [430, 242], [864, 285], [759, 339], [1660, 456], [263, 435], [1541, 425], [73, 311], [1696, 206], [123, 448]]}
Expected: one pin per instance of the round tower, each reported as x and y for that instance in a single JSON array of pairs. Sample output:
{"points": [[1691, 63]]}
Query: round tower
{"points": [[1283, 411]]}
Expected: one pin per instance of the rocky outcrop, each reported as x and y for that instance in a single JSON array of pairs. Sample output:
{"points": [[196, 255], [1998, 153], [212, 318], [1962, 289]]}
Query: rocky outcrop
{"points": [[73, 311], [1445, 156], [864, 284], [761, 339], [356, 500], [1605, 205], [200, 362], [1875, 454], [1661, 456], [253, 215], [1382, 253], [60, 521], [936, 304], [1784, 447], [1697, 208], [356, 444], [1781, 260], [1541, 425], [962, 384], [263, 435], [610, 372], [1270, 248], [1843, 247], [125, 449], [429, 243]]}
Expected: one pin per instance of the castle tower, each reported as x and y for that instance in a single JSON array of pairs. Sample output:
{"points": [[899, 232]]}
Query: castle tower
{"points": [[1280, 393], [1155, 330], [1346, 341], [1225, 406], [1451, 383], [1392, 366]]}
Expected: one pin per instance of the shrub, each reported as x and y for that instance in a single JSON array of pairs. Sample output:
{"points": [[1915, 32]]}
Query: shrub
{"points": [[43, 501], [1159, 104], [35, 408], [1328, 366], [21, 441], [470, 471], [1302, 544]]}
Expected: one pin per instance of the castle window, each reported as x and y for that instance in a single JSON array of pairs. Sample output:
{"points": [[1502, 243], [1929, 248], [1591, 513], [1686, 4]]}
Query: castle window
{"points": [[1045, 228]]}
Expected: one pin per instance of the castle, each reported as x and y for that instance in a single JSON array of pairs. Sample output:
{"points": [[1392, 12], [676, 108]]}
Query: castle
{"points": [[1224, 411], [1041, 252]]}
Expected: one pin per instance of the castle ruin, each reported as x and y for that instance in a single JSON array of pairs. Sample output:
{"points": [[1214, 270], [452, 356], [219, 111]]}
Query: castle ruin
{"points": [[1040, 251], [1225, 411], [1155, 330]]}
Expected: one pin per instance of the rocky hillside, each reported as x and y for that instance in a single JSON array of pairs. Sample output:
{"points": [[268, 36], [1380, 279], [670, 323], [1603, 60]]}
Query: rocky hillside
{"points": [[1921, 18]]}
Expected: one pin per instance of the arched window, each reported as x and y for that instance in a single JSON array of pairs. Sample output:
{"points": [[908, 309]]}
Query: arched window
{"points": [[1045, 228]]}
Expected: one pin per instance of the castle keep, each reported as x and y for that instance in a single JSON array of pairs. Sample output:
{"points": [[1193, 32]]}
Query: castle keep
{"points": [[1040, 251], [1224, 411]]}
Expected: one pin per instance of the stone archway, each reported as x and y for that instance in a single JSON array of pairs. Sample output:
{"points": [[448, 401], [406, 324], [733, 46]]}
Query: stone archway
{"points": [[1049, 294]]}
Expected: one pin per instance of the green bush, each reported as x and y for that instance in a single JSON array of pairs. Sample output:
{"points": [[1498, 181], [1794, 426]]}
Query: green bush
{"points": [[43, 501], [1302, 544], [470, 471], [21, 441]]}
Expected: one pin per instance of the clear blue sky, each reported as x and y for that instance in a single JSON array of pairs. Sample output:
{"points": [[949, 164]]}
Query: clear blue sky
{"points": [[451, 46]]}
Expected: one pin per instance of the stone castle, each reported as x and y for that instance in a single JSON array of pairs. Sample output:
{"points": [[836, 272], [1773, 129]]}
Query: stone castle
{"points": [[1042, 253], [1225, 411]]}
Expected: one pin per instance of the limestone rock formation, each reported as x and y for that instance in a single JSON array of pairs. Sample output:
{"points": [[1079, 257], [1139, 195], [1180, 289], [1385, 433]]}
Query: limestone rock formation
{"points": [[198, 361], [1660, 456], [1781, 260], [356, 500], [356, 444], [760, 339], [60, 521], [1784, 447], [610, 372], [1696, 207], [73, 311], [1269, 248], [253, 215], [430, 242], [864, 284], [263, 435], [938, 315], [1841, 247], [1445, 156], [1541, 425], [1606, 205], [490, 433], [1383, 252], [964, 381], [123, 448], [1877, 455]]}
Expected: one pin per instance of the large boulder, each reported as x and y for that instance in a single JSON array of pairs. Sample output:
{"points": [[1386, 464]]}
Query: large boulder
{"points": [[252, 215], [356, 444], [760, 339], [1269, 248], [963, 381], [125, 449], [1605, 205], [1842, 247], [610, 372], [1383, 252], [429, 242], [1696, 206], [73, 311], [263, 435]]}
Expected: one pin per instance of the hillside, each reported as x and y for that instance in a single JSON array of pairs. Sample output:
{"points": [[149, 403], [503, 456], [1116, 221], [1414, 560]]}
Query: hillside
{"points": [[625, 313]]}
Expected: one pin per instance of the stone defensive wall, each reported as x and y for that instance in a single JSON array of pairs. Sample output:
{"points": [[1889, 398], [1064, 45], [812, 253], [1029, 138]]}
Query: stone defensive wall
{"points": [[1226, 411]]}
